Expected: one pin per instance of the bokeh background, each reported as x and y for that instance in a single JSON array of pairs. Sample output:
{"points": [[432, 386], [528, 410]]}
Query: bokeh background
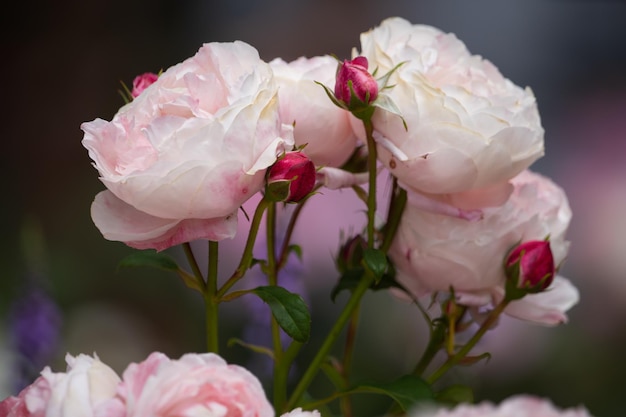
{"points": [[62, 64]]}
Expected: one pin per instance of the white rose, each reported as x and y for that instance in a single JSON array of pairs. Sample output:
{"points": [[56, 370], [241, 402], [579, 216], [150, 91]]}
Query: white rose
{"points": [[87, 384], [321, 125], [468, 127]]}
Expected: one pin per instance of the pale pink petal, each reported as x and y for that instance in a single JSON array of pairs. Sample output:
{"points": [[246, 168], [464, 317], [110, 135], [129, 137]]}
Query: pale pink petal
{"points": [[547, 307], [119, 221], [335, 178]]}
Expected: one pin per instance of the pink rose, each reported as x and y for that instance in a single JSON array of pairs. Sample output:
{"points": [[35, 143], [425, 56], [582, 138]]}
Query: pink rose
{"points": [[322, 126], [469, 128], [195, 384], [77, 392], [181, 158], [433, 252], [517, 406]]}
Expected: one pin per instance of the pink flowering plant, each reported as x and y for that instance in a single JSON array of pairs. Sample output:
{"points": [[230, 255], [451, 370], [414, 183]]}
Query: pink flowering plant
{"points": [[467, 232]]}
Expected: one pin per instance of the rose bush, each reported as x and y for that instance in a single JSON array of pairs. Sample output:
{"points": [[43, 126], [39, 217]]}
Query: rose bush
{"points": [[87, 384], [469, 128], [433, 252], [518, 406], [323, 127], [181, 158]]}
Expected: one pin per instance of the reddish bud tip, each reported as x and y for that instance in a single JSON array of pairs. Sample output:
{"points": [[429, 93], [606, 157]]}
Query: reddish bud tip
{"points": [[531, 264], [291, 178], [143, 81], [355, 82]]}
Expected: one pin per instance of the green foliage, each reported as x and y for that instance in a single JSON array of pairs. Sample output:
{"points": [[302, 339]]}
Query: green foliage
{"points": [[289, 310]]}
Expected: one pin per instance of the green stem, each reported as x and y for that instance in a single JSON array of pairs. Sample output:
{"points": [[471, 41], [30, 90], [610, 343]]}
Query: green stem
{"points": [[247, 256], [371, 195], [435, 343], [211, 301], [457, 357], [348, 355], [194, 264], [394, 215], [335, 331], [284, 252], [280, 390]]}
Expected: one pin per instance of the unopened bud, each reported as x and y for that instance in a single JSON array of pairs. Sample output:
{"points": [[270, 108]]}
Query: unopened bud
{"points": [[143, 81], [354, 85], [291, 178], [531, 265]]}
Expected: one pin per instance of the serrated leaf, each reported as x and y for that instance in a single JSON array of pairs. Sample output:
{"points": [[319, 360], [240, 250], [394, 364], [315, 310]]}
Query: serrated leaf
{"points": [[149, 258], [407, 390], [375, 261], [455, 394], [289, 310]]}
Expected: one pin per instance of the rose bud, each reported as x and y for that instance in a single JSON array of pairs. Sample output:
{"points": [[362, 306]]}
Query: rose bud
{"points": [[291, 178], [143, 81], [531, 265], [355, 82]]}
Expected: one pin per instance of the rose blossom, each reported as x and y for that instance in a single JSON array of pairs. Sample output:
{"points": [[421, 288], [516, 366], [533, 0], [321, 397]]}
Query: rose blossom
{"points": [[298, 412], [517, 406], [433, 252], [469, 128], [77, 392], [195, 384], [181, 158], [322, 126]]}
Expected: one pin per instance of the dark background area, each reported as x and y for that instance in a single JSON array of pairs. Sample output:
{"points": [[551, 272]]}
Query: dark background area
{"points": [[62, 64]]}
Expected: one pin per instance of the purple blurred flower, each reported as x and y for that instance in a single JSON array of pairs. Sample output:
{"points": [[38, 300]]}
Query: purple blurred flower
{"points": [[34, 324]]}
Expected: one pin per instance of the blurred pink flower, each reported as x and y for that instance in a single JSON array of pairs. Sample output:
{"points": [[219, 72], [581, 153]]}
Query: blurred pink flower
{"points": [[195, 384], [517, 406], [143, 81], [180, 159]]}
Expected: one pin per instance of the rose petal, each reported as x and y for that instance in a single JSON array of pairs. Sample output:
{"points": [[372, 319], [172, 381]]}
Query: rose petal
{"points": [[119, 221]]}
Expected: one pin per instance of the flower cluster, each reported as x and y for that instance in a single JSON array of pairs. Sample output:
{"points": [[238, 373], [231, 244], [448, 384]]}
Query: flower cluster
{"points": [[466, 225]]}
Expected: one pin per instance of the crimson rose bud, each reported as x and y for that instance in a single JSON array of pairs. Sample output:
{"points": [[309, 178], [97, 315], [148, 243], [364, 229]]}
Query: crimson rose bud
{"points": [[536, 264], [354, 74], [143, 81], [291, 178]]}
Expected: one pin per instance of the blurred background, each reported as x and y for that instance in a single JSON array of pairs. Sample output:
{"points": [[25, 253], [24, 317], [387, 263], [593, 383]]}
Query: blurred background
{"points": [[62, 65]]}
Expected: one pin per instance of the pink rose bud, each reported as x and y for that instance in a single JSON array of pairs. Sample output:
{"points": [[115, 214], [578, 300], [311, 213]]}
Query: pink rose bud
{"points": [[354, 81], [143, 81], [531, 264], [291, 178]]}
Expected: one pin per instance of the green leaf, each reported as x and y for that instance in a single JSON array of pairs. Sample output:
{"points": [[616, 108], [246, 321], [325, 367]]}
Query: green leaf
{"points": [[407, 390], [149, 258], [375, 261], [455, 394], [289, 310]]}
